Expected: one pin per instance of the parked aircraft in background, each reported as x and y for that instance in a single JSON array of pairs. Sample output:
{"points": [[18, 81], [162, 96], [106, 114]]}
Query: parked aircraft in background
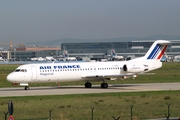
{"points": [[2, 60], [89, 71], [114, 57], [47, 58]]}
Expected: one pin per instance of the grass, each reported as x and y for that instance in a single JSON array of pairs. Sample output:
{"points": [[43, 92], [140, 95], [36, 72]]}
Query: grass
{"points": [[146, 105]]}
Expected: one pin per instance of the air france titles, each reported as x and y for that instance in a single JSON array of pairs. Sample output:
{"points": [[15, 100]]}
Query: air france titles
{"points": [[66, 66], [58, 67]]}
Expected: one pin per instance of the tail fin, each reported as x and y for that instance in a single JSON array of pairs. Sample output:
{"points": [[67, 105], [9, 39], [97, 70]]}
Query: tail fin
{"points": [[113, 53], [157, 50]]}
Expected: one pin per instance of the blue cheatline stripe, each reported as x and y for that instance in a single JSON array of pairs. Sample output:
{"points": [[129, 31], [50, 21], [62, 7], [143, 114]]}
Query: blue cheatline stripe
{"points": [[157, 52], [149, 57], [154, 50]]}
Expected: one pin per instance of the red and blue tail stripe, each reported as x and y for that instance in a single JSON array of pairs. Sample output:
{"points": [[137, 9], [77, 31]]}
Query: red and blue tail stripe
{"points": [[157, 52]]}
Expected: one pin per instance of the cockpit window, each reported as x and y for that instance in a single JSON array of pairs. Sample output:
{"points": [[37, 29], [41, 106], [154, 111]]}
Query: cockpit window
{"points": [[20, 70], [17, 70]]}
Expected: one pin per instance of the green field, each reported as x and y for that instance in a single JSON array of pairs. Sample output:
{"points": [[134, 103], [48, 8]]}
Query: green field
{"points": [[146, 105], [78, 107]]}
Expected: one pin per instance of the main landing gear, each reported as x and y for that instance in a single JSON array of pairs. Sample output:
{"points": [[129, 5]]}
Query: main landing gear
{"points": [[89, 85], [104, 85], [26, 88]]}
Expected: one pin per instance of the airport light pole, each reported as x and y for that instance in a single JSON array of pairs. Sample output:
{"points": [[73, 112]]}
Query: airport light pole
{"points": [[5, 115], [116, 118], [14, 54], [131, 106], [50, 114], [92, 108], [168, 115]]}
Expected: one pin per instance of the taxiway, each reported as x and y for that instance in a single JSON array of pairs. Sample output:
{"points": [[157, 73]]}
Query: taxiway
{"points": [[62, 90]]}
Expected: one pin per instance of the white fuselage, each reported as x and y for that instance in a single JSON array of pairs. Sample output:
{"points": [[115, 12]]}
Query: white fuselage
{"points": [[75, 71]]}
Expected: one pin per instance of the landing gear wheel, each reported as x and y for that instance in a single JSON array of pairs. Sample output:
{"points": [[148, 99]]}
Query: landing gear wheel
{"points": [[104, 85], [88, 85], [26, 88]]}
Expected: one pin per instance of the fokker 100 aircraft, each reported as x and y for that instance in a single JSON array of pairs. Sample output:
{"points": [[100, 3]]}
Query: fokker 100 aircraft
{"points": [[89, 71]]}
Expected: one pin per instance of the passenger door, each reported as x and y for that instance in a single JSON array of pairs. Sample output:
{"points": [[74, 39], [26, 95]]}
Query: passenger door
{"points": [[34, 73]]}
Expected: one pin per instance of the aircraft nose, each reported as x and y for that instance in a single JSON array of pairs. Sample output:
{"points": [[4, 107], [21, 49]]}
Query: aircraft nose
{"points": [[10, 77]]}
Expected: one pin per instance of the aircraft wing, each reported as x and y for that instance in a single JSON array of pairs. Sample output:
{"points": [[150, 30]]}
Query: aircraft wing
{"points": [[109, 76]]}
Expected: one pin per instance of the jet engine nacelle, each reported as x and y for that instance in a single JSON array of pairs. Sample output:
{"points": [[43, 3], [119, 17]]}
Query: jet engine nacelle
{"points": [[133, 68]]}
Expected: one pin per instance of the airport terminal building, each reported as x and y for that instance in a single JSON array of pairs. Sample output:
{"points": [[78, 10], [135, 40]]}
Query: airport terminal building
{"points": [[120, 47], [93, 50], [102, 49]]}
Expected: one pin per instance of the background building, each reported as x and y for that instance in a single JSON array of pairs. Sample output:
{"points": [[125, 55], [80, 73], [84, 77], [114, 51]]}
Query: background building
{"points": [[93, 50]]}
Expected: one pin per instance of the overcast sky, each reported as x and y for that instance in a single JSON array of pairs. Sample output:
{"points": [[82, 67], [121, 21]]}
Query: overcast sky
{"points": [[42, 20]]}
